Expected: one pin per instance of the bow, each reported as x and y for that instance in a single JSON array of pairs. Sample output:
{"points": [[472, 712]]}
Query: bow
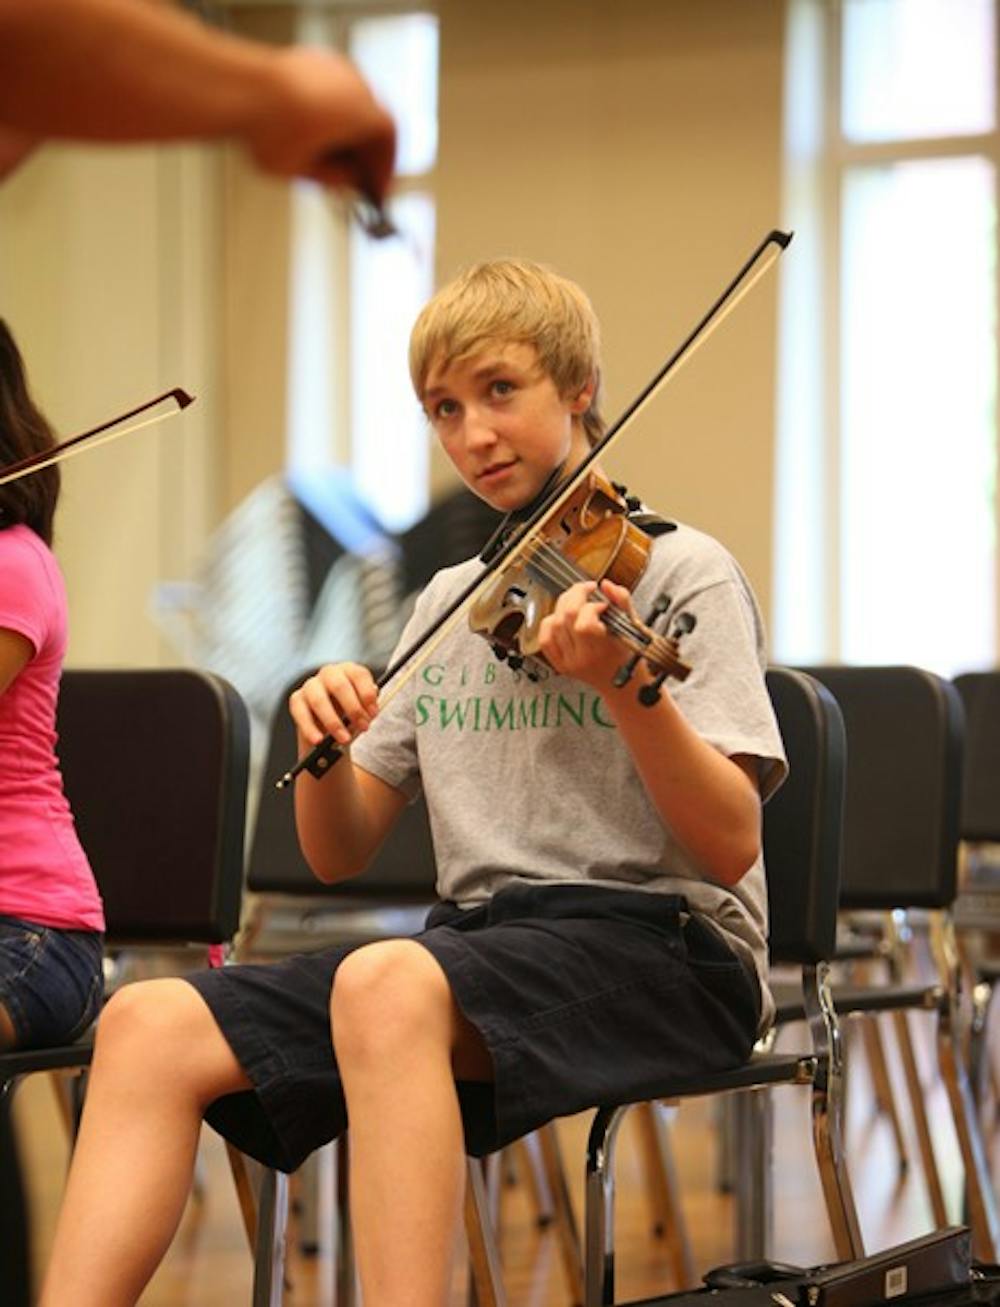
{"points": [[177, 398]]}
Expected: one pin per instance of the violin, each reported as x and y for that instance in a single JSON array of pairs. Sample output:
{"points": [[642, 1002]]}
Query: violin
{"points": [[588, 539], [533, 544]]}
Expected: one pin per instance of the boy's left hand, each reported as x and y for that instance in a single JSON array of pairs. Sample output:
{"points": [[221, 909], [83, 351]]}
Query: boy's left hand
{"points": [[574, 639]]}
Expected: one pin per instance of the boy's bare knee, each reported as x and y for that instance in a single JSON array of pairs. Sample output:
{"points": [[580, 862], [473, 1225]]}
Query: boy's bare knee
{"points": [[152, 1023], [387, 992]]}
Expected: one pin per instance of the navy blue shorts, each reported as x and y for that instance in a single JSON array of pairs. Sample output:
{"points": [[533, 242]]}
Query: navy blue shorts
{"points": [[51, 981], [583, 996]]}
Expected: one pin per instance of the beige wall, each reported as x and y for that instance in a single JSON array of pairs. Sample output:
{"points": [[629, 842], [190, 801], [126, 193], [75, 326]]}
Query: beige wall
{"points": [[635, 146], [108, 269]]}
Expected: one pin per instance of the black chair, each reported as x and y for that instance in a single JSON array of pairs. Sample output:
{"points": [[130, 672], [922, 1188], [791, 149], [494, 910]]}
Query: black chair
{"points": [[977, 908], [802, 845], [294, 909], [904, 782], [155, 768]]}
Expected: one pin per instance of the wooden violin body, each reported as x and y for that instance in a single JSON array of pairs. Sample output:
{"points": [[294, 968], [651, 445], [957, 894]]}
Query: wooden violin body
{"points": [[588, 538]]}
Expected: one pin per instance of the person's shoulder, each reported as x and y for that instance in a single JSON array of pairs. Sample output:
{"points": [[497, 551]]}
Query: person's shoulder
{"points": [[446, 583], [701, 559], [21, 548]]}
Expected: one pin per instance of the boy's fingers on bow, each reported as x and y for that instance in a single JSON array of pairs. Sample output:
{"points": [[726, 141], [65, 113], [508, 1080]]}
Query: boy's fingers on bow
{"points": [[326, 703]]}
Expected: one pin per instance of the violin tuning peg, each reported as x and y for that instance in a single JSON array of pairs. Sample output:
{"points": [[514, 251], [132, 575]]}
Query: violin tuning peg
{"points": [[660, 605], [685, 624], [515, 662], [633, 503], [624, 673], [499, 652], [650, 692]]}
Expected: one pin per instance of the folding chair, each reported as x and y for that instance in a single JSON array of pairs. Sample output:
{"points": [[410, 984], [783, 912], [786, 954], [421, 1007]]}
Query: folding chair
{"points": [[977, 908], [294, 910], [155, 768], [905, 737], [802, 828]]}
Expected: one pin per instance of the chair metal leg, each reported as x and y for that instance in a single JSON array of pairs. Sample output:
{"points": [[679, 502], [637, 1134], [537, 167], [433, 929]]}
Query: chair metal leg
{"points": [[664, 1190], [978, 1182], [484, 1258], [919, 1109], [269, 1252], [244, 1193], [564, 1216], [599, 1259], [980, 1078], [885, 1099], [753, 1209], [531, 1170], [345, 1272], [828, 1116]]}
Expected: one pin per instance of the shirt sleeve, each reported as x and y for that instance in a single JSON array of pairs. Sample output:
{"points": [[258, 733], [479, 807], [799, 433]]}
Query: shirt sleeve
{"points": [[23, 583], [725, 696]]}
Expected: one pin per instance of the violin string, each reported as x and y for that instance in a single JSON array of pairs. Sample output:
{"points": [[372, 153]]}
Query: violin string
{"points": [[561, 572], [551, 565]]}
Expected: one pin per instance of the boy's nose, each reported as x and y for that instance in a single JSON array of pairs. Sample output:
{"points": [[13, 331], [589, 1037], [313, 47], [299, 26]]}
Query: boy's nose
{"points": [[479, 432]]}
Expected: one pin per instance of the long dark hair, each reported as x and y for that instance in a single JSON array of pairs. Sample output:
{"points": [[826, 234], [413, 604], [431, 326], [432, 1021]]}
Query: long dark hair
{"points": [[23, 432]]}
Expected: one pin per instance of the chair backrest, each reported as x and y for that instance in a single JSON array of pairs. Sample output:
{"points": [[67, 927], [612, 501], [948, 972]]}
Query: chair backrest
{"points": [[403, 869], [155, 764], [904, 773], [803, 821], [980, 815]]}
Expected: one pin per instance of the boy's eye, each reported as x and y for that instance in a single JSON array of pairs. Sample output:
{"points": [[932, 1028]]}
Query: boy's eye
{"points": [[501, 387], [445, 408]]}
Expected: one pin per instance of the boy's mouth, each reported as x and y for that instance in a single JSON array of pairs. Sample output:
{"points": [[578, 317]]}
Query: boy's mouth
{"points": [[495, 471]]}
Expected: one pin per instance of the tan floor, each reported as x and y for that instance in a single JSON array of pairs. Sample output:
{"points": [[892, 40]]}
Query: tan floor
{"points": [[209, 1262]]}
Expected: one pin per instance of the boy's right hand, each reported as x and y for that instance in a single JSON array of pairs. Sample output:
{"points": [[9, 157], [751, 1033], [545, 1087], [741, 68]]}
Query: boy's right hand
{"points": [[340, 700]]}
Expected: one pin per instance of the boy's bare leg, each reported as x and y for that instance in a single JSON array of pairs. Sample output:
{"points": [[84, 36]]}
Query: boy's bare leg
{"points": [[160, 1060], [400, 1042]]}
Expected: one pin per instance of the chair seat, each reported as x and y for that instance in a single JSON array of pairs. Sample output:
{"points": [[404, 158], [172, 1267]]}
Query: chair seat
{"points": [[886, 998], [849, 999], [762, 1069], [25, 1062]]}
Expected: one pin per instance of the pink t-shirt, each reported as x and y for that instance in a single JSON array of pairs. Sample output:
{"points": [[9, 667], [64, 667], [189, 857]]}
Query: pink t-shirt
{"points": [[44, 872]]}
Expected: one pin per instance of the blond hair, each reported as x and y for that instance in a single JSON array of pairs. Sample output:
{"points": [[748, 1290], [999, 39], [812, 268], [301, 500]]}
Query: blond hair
{"points": [[516, 301]]}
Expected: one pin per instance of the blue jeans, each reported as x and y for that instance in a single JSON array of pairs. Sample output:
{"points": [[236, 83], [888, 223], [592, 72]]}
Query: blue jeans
{"points": [[51, 980]]}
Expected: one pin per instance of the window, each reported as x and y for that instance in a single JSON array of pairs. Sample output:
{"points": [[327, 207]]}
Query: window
{"points": [[353, 300], [887, 406]]}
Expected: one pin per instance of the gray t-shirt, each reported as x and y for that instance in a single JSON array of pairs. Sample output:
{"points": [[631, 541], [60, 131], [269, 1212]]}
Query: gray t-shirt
{"points": [[530, 782]]}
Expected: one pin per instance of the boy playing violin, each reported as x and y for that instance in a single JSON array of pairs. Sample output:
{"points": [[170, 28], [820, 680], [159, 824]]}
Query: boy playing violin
{"points": [[602, 918]]}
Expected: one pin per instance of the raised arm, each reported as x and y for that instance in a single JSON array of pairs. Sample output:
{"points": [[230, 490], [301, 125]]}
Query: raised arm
{"points": [[710, 802], [343, 818], [129, 70]]}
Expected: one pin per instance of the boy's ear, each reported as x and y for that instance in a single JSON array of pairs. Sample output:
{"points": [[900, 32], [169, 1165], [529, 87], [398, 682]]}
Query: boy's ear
{"points": [[581, 401]]}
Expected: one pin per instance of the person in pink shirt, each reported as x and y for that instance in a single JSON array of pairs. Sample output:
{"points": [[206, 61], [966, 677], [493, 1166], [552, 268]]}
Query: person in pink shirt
{"points": [[51, 916]]}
